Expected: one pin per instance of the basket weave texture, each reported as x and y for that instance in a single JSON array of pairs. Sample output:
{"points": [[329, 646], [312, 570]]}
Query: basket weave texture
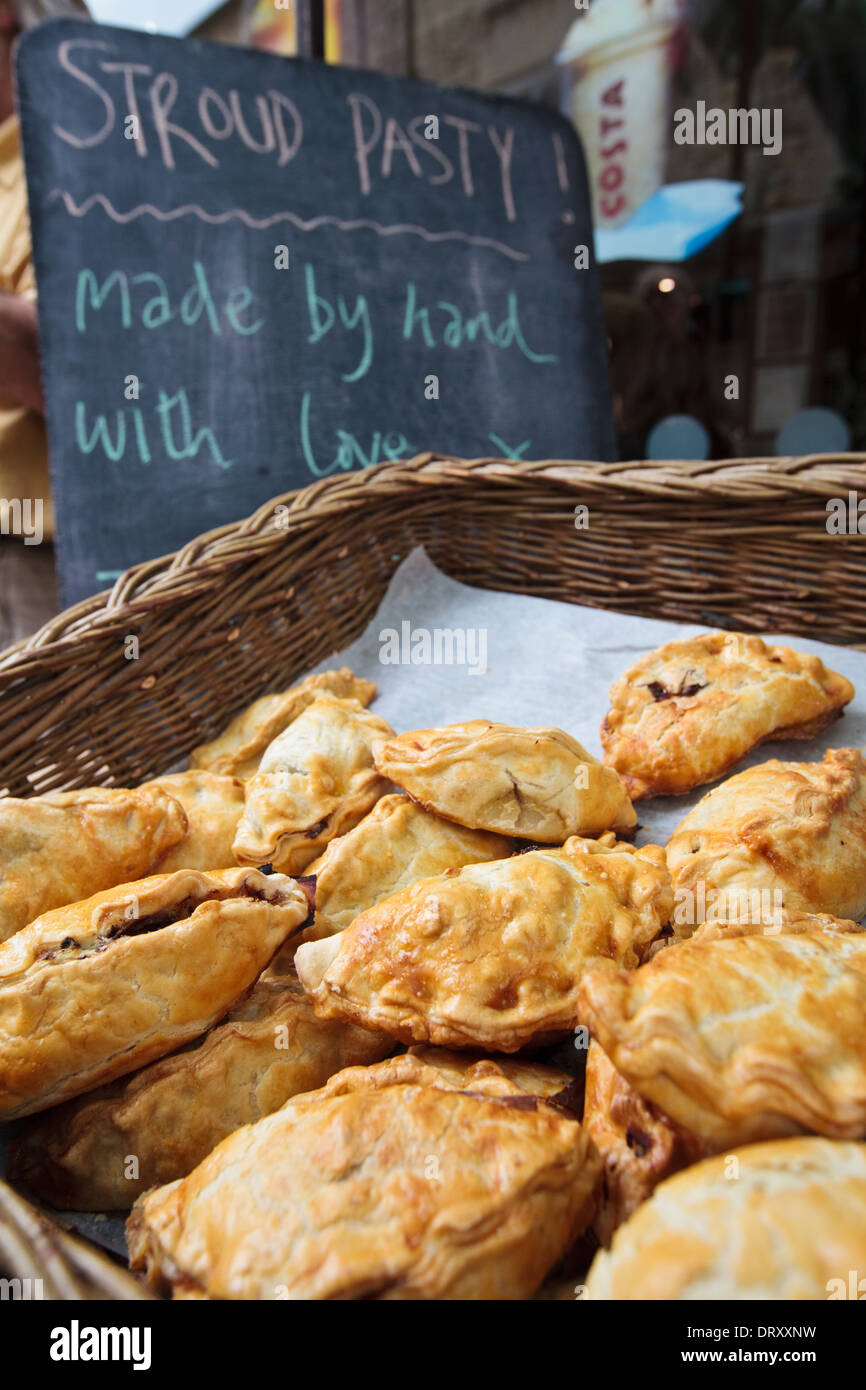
{"points": [[50, 1263], [247, 608]]}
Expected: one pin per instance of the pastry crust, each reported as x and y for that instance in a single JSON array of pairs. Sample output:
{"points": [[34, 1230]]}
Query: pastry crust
{"points": [[213, 806], [395, 845], [315, 782], [793, 832], [790, 922], [463, 1071], [491, 955], [93, 991], [58, 848], [390, 1182], [686, 713], [789, 1222], [239, 749], [537, 784], [453, 1071], [742, 1038], [170, 1115], [639, 1145]]}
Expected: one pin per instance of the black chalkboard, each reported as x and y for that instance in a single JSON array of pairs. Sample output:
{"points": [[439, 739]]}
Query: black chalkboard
{"points": [[254, 272]]}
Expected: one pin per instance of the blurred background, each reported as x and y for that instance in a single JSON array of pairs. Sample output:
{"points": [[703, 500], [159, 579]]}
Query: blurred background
{"points": [[777, 298]]}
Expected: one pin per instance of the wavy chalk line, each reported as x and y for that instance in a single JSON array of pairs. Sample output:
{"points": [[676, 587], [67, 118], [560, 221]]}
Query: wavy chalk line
{"points": [[259, 223]]}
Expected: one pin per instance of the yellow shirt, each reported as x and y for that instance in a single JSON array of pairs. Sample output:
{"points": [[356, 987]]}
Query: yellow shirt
{"points": [[23, 449]]}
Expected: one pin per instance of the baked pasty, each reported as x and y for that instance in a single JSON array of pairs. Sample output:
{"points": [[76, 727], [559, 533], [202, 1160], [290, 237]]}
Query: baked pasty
{"points": [[396, 844], [689, 711], [170, 1115], [238, 750], [782, 835], [785, 1220], [491, 955], [315, 782], [742, 1038], [537, 784], [58, 848], [213, 806], [390, 1182], [639, 1145], [92, 991], [789, 922], [465, 1070]]}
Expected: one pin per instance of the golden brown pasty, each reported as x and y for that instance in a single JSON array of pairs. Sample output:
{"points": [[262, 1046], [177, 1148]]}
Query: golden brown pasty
{"points": [[167, 1117], [537, 784], [213, 806], [396, 844], [689, 711], [238, 750], [742, 1038], [315, 782], [393, 1184], [465, 1070], [58, 848], [93, 991], [779, 835], [789, 922], [639, 1145], [785, 1220], [491, 955], [458, 1071]]}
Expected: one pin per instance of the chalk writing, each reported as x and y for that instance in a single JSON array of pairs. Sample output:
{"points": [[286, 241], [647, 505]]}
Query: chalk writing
{"points": [[274, 127], [349, 454], [174, 425], [309, 224], [459, 328], [274, 272], [158, 309]]}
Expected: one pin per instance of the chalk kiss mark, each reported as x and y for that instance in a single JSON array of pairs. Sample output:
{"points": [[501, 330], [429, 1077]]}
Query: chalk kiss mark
{"points": [[509, 451]]}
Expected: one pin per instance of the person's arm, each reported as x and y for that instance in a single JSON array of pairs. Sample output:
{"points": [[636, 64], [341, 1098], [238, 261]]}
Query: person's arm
{"points": [[19, 352]]}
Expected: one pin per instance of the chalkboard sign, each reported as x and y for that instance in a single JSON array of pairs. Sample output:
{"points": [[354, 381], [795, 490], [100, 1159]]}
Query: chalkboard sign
{"points": [[255, 272]]}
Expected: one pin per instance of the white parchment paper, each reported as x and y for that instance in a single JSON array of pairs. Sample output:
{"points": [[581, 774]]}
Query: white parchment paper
{"points": [[547, 663]]}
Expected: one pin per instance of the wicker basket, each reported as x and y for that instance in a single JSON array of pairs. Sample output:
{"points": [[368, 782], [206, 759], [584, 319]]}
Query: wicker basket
{"points": [[246, 608], [249, 607], [47, 1262]]}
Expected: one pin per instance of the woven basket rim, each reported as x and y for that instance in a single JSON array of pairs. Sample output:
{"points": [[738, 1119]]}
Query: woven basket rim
{"points": [[164, 579]]}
